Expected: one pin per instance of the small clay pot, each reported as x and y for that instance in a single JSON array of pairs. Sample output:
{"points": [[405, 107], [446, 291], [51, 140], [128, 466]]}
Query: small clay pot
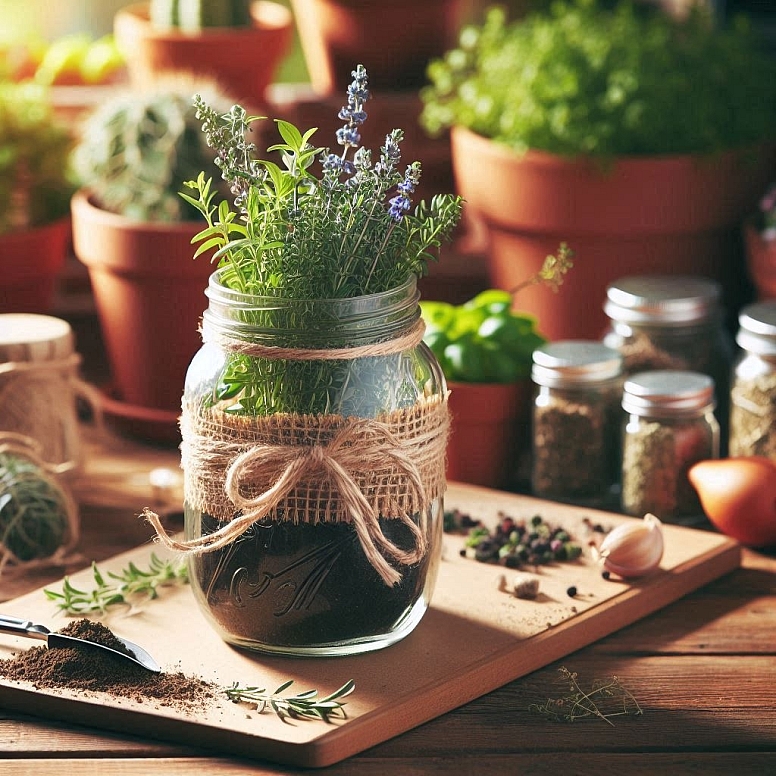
{"points": [[760, 261]]}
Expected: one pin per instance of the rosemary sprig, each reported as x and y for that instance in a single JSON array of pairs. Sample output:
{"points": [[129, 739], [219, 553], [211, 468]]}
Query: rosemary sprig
{"points": [[303, 705], [116, 588], [579, 703]]}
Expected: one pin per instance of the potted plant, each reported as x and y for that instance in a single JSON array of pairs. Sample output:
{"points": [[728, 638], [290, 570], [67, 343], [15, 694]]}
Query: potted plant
{"points": [[485, 348], [760, 240], [133, 232], [335, 33], [35, 188], [237, 43], [640, 138], [314, 418]]}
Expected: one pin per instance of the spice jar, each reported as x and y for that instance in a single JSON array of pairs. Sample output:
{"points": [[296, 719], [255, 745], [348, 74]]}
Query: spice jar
{"points": [[38, 387], [576, 422], [671, 322], [753, 392], [670, 427], [313, 451]]}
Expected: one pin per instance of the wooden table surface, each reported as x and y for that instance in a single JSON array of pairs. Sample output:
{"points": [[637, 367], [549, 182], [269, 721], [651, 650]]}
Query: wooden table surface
{"points": [[703, 670]]}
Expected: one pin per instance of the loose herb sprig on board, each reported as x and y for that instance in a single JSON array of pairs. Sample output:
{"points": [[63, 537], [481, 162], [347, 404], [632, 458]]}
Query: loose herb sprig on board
{"points": [[303, 705], [605, 699], [117, 588]]}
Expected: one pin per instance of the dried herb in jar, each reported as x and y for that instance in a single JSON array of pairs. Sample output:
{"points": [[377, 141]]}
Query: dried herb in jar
{"points": [[753, 417]]}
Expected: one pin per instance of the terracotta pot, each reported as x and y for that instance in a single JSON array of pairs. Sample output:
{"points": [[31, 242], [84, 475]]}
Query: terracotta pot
{"points": [[671, 214], [394, 41], [31, 262], [243, 61], [150, 295], [760, 261], [489, 433]]}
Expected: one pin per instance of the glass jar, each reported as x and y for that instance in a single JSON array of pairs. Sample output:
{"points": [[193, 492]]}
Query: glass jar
{"points": [[576, 422], [670, 427], [671, 322], [313, 451], [753, 391]]}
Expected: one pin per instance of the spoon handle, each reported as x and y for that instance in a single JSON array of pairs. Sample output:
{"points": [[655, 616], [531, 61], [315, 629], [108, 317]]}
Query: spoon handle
{"points": [[25, 628]]}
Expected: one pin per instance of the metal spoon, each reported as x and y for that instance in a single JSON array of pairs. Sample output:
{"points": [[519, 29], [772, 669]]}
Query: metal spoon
{"points": [[30, 630]]}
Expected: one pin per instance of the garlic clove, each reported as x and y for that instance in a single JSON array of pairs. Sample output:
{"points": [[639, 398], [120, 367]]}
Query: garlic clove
{"points": [[633, 549]]}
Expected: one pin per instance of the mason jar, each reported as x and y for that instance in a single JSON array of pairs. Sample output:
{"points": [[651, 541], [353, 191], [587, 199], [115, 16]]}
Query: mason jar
{"points": [[753, 390], [313, 453], [671, 322], [670, 426], [576, 422]]}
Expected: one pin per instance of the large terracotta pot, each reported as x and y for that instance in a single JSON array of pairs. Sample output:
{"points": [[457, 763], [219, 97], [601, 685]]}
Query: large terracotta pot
{"points": [[150, 295], [671, 214], [31, 262], [760, 261], [393, 40], [489, 432], [242, 61]]}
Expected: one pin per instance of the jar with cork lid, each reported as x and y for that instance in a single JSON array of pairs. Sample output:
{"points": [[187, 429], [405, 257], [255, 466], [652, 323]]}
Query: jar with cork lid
{"points": [[753, 389], [670, 427], [576, 422]]}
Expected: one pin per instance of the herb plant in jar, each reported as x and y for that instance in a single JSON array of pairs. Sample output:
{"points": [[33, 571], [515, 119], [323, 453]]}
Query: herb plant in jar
{"points": [[314, 417]]}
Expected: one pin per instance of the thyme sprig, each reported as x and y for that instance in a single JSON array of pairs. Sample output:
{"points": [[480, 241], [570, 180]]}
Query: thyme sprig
{"points": [[117, 588], [605, 699], [303, 705]]}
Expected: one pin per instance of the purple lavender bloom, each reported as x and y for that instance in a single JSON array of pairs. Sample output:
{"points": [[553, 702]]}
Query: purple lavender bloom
{"points": [[399, 206], [348, 136]]}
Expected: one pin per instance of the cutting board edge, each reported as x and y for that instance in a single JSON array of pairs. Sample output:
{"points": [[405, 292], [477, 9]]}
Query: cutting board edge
{"points": [[496, 671]]}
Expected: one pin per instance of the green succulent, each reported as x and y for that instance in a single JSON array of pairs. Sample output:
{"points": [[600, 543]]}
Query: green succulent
{"points": [[595, 78], [35, 179], [193, 15], [136, 151]]}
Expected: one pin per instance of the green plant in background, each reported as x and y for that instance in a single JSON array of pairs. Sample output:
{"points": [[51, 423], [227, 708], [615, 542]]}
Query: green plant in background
{"points": [[136, 151], [193, 15], [347, 232], [584, 78], [484, 340], [35, 178]]}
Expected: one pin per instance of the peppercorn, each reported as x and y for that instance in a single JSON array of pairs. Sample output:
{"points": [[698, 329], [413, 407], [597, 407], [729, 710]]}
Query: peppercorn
{"points": [[571, 591], [606, 574]]}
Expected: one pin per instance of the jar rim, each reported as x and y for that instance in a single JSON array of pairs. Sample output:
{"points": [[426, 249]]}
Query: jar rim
{"points": [[572, 362], [668, 392]]}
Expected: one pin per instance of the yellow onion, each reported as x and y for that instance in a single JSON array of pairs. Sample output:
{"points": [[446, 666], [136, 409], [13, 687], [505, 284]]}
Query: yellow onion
{"points": [[633, 549]]}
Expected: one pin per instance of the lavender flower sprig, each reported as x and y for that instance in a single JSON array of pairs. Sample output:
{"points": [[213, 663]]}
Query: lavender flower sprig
{"points": [[348, 230]]}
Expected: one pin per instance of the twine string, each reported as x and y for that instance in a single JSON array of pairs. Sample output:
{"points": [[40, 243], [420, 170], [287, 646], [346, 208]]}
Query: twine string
{"points": [[338, 460]]}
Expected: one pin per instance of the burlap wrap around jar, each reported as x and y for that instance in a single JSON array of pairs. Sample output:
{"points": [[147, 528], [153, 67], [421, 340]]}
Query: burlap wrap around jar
{"points": [[313, 452]]}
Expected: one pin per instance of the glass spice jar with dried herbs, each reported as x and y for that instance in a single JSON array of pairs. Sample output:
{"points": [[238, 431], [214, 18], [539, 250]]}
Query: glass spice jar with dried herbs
{"points": [[671, 322], [670, 426], [753, 390], [576, 422]]}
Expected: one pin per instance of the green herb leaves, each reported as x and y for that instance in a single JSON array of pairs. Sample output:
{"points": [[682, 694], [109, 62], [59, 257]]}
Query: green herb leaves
{"points": [[303, 705], [349, 231], [118, 588], [584, 78]]}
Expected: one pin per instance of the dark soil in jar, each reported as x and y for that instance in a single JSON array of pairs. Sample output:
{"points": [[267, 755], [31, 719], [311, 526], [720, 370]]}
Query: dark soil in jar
{"points": [[300, 585], [90, 670]]}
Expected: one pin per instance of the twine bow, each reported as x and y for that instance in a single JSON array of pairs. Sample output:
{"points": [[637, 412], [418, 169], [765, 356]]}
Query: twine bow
{"points": [[344, 455]]}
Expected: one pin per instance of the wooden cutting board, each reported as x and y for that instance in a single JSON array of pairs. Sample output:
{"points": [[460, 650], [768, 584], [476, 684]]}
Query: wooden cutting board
{"points": [[473, 639]]}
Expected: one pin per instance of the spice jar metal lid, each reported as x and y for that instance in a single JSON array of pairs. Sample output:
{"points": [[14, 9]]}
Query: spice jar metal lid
{"points": [[28, 337], [575, 362], [662, 300], [668, 393], [757, 328]]}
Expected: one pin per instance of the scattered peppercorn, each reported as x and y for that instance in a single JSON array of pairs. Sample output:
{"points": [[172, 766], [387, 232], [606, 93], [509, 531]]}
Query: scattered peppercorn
{"points": [[606, 574], [514, 543], [571, 591]]}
